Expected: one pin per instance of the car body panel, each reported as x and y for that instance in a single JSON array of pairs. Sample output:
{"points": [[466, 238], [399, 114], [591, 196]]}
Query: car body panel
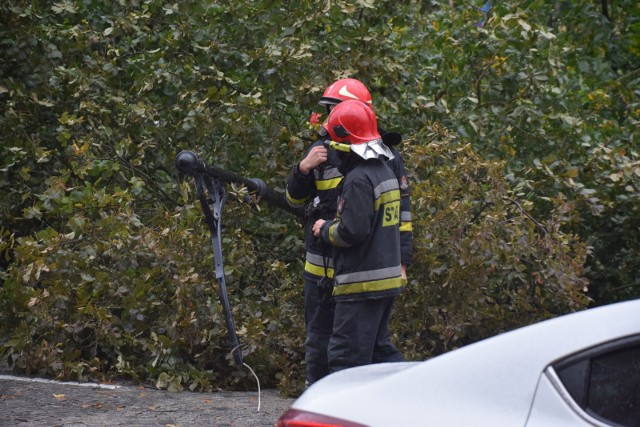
{"points": [[551, 408], [489, 383]]}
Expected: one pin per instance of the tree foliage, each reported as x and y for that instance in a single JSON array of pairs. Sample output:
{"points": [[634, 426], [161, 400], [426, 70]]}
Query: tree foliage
{"points": [[520, 129], [486, 264]]}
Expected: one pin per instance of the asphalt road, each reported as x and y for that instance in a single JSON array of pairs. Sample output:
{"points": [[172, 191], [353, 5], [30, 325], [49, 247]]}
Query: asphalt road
{"points": [[28, 402]]}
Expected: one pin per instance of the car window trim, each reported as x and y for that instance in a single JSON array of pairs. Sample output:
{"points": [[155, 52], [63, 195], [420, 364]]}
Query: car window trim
{"points": [[598, 350], [553, 377]]}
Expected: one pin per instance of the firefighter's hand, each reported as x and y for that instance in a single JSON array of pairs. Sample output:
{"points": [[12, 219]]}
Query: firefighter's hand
{"points": [[404, 272], [316, 156], [317, 226]]}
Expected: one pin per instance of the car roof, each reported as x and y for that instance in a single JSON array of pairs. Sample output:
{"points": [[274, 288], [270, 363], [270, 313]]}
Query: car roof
{"points": [[491, 382]]}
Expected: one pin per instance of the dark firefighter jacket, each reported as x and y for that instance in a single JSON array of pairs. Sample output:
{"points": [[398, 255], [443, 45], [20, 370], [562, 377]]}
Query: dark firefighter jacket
{"points": [[318, 192], [365, 234]]}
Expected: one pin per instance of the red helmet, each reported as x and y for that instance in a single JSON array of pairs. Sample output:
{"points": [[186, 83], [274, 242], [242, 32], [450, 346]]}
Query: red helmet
{"points": [[346, 89], [352, 121]]}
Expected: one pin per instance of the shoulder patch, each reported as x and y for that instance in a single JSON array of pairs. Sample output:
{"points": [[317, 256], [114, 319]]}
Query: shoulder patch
{"points": [[340, 204], [404, 184]]}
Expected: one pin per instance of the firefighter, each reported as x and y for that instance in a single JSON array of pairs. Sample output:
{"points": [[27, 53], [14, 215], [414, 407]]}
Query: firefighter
{"points": [[313, 184], [365, 237]]}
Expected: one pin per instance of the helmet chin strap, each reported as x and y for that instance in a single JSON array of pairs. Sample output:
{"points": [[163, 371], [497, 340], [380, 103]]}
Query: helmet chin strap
{"points": [[338, 146], [370, 150]]}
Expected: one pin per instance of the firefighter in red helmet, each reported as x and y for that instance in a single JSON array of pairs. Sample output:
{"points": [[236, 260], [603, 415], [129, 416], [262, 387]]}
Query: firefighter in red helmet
{"points": [[313, 185], [365, 237]]}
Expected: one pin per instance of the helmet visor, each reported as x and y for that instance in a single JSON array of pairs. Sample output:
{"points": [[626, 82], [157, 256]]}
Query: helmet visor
{"points": [[325, 100]]}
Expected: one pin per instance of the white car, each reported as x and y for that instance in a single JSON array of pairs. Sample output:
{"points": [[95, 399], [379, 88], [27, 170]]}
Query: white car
{"points": [[581, 369]]}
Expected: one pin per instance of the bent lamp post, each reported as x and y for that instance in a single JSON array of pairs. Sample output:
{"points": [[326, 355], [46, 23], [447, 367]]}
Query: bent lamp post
{"points": [[209, 183]]}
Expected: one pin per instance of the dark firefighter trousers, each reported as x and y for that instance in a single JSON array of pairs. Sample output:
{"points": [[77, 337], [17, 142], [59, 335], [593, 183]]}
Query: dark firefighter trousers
{"points": [[355, 333]]}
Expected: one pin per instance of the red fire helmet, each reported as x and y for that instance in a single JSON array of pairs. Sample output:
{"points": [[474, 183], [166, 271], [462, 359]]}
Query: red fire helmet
{"points": [[346, 89], [353, 122]]}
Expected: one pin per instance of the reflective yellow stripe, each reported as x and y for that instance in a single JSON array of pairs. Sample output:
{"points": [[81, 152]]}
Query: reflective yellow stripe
{"points": [[389, 196], [406, 226], [318, 270], [328, 184], [334, 236], [296, 201], [361, 287]]}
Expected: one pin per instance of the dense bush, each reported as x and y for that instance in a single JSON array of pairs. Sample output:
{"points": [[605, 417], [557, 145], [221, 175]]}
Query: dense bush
{"points": [[520, 130], [485, 263]]}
